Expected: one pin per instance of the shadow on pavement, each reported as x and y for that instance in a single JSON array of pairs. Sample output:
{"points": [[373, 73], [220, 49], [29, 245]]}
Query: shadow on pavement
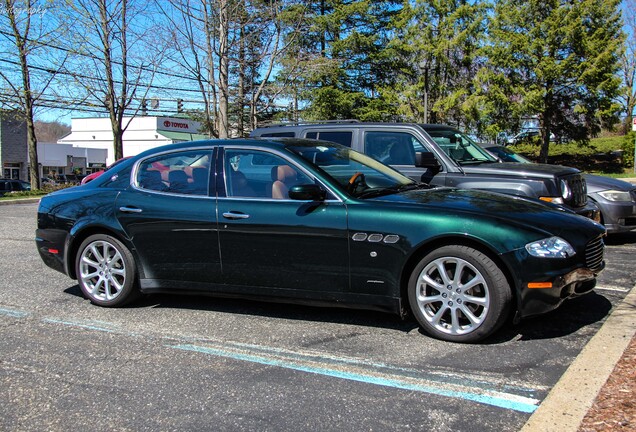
{"points": [[289, 311], [569, 318]]}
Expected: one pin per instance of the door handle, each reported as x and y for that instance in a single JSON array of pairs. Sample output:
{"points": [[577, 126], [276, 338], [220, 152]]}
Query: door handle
{"points": [[233, 215], [130, 210]]}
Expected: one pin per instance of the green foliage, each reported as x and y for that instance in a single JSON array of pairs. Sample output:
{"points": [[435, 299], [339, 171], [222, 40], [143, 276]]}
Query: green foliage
{"points": [[435, 53], [555, 60]]}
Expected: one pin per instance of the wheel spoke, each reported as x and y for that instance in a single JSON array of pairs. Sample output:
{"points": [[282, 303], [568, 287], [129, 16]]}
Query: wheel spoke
{"points": [[482, 301], [455, 326], [470, 315], [96, 253], [478, 279], [96, 287], [426, 299], [435, 319], [441, 269], [430, 281], [459, 269]]}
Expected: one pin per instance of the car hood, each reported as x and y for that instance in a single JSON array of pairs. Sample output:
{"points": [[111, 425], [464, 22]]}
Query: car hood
{"points": [[599, 183], [507, 209], [516, 169]]}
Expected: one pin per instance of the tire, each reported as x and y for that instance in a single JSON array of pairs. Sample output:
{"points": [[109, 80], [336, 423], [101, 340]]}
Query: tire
{"points": [[106, 271], [458, 294]]}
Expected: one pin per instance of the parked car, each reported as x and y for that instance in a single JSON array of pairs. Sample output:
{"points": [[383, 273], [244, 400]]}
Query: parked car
{"points": [[524, 137], [13, 185], [442, 155], [314, 222], [96, 174], [616, 199], [529, 136]]}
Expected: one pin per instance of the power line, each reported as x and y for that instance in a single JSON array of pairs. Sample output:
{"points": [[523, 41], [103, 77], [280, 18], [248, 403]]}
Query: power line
{"points": [[77, 75], [94, 57]]}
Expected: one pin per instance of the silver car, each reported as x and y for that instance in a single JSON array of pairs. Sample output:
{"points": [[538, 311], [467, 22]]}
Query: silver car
{"points": [[616, 199]]}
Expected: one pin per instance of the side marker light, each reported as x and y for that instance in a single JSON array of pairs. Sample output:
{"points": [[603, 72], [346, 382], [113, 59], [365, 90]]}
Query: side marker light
{"points": [[540, 285]]}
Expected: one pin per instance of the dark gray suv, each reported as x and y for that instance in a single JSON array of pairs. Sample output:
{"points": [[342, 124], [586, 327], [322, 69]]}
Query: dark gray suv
{"points": [[13, 185], [442, 155]]}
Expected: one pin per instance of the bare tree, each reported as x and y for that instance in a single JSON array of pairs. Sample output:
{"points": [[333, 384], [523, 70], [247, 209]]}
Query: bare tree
{"points": [[113, 63], [628, 66], [230, 49], [27, 33]]}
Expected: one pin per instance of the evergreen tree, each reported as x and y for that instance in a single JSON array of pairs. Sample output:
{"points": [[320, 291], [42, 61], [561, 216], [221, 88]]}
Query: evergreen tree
{"points": [[436, 43], [556, 60], [338, 56]]}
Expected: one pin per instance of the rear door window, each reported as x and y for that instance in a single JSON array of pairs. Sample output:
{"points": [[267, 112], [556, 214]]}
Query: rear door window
{"points": [[183, 172], [341, 137], [392, 148]]}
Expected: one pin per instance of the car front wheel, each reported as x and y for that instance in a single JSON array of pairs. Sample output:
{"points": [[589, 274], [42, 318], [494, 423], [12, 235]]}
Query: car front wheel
{"points": [[106, 271], [459, 294]]}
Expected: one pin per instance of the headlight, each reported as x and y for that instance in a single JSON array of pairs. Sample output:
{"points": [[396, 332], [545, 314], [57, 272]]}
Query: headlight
{"points": [[553, 247], [614, 195], [566, 192]]}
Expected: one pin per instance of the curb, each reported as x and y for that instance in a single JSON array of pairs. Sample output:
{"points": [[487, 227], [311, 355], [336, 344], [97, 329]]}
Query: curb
{"points": [[20, 201], [574, 394]]}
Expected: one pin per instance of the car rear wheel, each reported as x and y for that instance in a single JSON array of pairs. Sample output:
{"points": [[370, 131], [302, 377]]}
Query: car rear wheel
{"points": [[106, 271], [459, 294]]}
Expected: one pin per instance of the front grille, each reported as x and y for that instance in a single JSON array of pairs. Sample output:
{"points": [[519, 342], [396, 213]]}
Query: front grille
{"points": [[594, 254], [577, 185]]}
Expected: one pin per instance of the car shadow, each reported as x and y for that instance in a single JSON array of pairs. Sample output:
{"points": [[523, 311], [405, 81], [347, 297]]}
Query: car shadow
{"points": [[280, 310], [570, 317]]}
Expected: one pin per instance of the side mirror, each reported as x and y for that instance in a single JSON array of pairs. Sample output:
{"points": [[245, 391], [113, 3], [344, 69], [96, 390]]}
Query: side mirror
{"points": [[427, 160], [307, 192]]}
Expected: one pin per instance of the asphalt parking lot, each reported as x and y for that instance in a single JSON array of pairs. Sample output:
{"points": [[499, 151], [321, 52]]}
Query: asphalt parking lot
{"points": [[198, 363]]}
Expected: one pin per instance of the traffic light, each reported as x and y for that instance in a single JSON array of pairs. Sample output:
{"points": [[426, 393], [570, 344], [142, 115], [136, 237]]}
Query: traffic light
{"points": [[179, 105], [144, 107]]}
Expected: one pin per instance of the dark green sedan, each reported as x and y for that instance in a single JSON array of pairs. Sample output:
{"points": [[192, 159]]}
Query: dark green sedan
{"points": [[317, 223]]}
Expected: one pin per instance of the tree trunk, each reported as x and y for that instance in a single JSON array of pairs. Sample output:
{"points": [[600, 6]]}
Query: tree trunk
{"points": [[224, 61]]}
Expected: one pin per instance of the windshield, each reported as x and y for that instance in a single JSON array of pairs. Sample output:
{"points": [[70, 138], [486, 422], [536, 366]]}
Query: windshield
{"points": [[359, 175], [460, 147], [507, 155]]}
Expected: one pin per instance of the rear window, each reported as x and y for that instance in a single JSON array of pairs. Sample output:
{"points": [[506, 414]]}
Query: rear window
{"points": [[343, 138], [279, 135]]}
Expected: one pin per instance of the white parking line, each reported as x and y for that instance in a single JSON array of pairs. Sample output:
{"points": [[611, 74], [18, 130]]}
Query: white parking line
{"points": [[484, 390], [357, 370], [612, 288]]}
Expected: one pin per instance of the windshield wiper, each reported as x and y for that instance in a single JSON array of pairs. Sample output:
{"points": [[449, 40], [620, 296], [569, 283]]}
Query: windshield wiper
{"points": [[370, 193]]}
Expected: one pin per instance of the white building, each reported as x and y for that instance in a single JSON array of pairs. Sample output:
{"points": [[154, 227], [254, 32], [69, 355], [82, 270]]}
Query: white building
{"points": [[56, 159], [142, 133]]}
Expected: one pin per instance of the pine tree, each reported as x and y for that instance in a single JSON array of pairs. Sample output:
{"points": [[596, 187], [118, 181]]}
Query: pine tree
{"points": [[556, 60]]}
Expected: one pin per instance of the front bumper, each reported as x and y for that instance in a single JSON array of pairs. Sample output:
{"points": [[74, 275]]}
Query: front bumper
{"points": [[618, 216], [535, 301]]}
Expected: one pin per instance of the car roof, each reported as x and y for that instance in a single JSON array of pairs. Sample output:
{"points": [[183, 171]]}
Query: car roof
{"points": [[274, 143]]}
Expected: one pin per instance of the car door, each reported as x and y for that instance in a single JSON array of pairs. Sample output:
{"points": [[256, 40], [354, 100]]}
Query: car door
{"points": [[171, 219], [273, 245]]}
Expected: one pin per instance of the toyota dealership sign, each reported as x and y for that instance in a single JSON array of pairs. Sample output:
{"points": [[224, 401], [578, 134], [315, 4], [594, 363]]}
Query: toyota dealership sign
{"points": [[177, 125]]}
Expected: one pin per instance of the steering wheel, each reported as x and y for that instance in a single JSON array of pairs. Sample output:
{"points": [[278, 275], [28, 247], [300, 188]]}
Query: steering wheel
{"points": [[356, 180]]}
